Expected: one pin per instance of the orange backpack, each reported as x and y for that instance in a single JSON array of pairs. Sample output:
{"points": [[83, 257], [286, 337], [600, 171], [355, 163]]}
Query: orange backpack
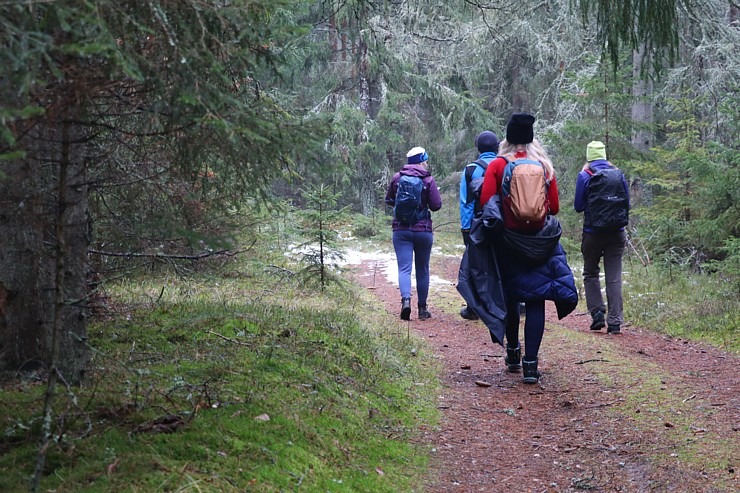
{"points": [[524, 193]]}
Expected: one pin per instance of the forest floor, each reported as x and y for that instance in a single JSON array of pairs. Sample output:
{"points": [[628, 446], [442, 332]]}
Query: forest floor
{"points": [[634, 412]]}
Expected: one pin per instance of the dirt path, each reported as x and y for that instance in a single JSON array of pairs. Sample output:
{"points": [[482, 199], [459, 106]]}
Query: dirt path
{"points": [[636, 412]]}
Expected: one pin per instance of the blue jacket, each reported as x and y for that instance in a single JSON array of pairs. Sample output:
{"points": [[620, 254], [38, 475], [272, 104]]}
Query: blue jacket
{"points": [[552, 280], [467, 207], [584, 178], [535, 267], [430, 197]]}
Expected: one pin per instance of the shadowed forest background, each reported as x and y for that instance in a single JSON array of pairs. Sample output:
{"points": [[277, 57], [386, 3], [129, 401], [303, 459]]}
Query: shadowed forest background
{"points": [[178, 137]]}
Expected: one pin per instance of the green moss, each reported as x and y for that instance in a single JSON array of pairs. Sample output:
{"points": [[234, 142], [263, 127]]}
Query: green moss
{"points": [[219, 353]]}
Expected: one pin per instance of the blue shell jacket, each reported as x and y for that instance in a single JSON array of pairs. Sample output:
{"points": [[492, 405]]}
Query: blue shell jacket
{"points": [[552, 280], [467, 209]]}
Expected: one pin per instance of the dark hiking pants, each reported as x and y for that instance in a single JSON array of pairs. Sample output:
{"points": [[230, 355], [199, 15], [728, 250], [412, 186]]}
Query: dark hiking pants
{"points": [[609, 246]]}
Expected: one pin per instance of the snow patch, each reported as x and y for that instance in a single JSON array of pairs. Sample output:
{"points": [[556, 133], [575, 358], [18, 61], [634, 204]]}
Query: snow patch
{"points": [[386, 264]]}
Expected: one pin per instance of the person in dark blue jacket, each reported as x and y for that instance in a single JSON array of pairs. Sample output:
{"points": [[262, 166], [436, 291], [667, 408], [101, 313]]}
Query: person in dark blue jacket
{"points": [[487, 145], [598, 242], [526, 279], [413, 242]]}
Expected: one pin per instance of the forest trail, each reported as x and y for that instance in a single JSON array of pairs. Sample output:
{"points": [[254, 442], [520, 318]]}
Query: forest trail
{"points": [[635, 412]]}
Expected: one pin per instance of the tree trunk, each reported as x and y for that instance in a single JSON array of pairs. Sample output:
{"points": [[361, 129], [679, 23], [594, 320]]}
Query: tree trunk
{"points": [[517, 89], [28, 254], [364, 168], [642, 105], [333, 38]]}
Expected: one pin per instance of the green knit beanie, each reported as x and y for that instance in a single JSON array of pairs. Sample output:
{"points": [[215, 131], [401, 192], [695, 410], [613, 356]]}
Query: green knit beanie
{"points": [[595, 150]]}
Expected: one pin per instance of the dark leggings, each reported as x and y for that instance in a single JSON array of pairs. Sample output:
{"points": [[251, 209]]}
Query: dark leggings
{"points": [[534, 327]]}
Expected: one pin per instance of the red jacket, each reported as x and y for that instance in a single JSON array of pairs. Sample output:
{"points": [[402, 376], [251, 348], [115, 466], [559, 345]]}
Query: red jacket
{"points": [[494, 175]]}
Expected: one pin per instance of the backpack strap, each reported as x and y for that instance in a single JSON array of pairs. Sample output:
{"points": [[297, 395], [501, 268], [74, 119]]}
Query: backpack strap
{"points": [[590, 171], [510, 158], [469, 170]]}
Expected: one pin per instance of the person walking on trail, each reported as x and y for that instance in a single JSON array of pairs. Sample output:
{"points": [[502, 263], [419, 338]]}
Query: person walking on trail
{"points": [[413, 193], [524, 178], [602, 194], [487, 145]]}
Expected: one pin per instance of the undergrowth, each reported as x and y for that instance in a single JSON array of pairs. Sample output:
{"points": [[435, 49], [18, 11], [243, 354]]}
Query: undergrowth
{"points": [[246, 381], [674, 301]]}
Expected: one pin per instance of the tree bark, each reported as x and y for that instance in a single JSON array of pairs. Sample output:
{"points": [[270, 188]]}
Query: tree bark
{"points": [[642, 105], [28, 254], [364, 168], [733, 15], [517, 91]]}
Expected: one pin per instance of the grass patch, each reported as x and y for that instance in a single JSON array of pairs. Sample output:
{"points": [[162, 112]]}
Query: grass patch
{"points": [[683, 304], [247, 381], [676, 302]]}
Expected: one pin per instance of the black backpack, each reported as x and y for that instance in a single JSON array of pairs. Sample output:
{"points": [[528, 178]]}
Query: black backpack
{"points": [[474, 186], [607, 206]]}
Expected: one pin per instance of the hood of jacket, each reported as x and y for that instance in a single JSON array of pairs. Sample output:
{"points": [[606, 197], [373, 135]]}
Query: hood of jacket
{"points": [[531, 249], [415, 170], [599, 164]]}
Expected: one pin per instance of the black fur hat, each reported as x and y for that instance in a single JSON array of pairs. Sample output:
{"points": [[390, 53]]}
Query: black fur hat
{"points": [[486, 142], [519, 129]]}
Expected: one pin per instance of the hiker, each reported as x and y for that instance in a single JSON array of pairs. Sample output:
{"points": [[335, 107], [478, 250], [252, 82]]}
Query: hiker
{"points": [[533, 266], [413, 193], [487, 145], [602, 194]]}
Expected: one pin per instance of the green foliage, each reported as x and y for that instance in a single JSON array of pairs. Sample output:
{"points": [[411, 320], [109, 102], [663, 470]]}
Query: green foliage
{"points": [[217, 357], [183, 126], [728, 269], [364, 227], [676, 300], [695, 188], [621, 25], [318, 223]]}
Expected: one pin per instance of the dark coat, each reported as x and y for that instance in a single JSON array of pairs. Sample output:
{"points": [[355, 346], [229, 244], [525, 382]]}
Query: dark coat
{"points": [[479, 283], [496, 267]]}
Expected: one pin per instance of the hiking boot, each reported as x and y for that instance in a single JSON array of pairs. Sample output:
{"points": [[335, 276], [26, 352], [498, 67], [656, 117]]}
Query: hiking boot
{"points": [[513, 359], [531, 375], [597, 320], [423, 312], [468, 313], [613, 329], [405, 308]]}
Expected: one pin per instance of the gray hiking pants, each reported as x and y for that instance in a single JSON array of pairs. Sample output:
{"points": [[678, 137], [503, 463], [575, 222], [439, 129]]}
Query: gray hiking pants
{"points": [[610, 246]]}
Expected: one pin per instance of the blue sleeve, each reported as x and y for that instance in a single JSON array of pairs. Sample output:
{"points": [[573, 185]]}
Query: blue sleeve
{"points": [[466, 210], [579, 202], [463, 190]]}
